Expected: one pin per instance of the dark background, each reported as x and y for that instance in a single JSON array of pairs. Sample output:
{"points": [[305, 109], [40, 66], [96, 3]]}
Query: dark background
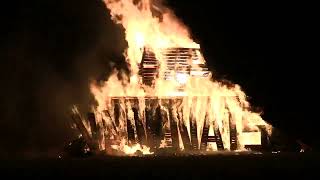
{"points": [[49, 51]]}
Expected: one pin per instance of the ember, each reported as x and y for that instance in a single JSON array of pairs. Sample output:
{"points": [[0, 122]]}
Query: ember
{"points": [[169, 100]]}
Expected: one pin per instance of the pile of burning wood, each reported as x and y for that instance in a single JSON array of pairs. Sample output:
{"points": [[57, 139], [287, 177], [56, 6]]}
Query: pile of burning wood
{"points": [[169, 102], [165, 143], [172, 123]]}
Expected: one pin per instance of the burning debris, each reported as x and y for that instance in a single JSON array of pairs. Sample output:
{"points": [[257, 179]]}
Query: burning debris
{"points": [[169, 101]]}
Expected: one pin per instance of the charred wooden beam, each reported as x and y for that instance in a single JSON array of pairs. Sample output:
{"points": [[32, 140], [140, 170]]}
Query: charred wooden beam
{"points": [[182, 127], [219, 141], [95, 134], [204, 138], [130, 129], [233, 135], [150, 138], [265, 141], [173, 126], [150, 129], [117, 111], [205, 133], [106, 138], [157, 126], [130, 125], [139, 126], [166, 128], [193, 128], [93, 124], [76, 118], [185, 136], [194, 136], [107, 113]]}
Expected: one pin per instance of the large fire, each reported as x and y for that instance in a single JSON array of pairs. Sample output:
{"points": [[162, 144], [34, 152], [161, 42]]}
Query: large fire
{"points": [[202, 102]]}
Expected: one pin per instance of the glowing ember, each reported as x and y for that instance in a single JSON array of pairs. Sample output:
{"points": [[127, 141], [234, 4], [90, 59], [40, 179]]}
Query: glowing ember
{"points": [[190, 102]]}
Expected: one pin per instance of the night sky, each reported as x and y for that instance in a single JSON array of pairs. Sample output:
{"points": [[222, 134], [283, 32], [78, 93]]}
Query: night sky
{"points": [[50, 50]]}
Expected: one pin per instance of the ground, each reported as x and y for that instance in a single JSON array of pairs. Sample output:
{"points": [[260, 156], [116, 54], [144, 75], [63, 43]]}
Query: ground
{"points": [[214, 166]]}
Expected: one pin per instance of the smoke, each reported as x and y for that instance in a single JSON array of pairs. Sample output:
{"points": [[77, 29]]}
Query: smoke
{"points": [[49, 54]]}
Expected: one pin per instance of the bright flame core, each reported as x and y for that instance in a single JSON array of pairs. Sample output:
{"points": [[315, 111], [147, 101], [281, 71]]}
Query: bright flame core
{"points": [[146, 26]]}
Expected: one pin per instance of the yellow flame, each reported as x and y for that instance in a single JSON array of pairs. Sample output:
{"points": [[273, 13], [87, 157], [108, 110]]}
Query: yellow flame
{"points": [[158, 31], [131, 150]]}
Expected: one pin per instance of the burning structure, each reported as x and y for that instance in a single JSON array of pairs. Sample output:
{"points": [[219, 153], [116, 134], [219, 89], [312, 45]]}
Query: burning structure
{"points": [[169, 100]]}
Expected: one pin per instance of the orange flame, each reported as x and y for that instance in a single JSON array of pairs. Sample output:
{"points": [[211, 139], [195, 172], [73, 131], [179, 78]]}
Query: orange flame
{"points": [[157, 28], [131, 150]]}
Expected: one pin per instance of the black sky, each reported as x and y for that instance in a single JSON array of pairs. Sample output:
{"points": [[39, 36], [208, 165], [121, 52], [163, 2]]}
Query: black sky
{"points": [[50, 50]]}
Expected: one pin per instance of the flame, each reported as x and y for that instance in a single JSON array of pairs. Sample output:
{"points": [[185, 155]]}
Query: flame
{"points": [[157, 28], [131, 150]]}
